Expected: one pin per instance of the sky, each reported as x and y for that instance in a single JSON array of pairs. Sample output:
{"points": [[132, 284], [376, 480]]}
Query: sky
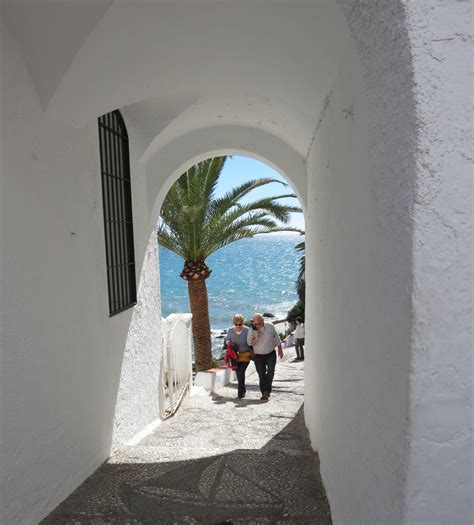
{"points": [[241, 169]]}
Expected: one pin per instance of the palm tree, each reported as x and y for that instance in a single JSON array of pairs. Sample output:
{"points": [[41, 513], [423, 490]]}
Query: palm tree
{"points": [[300, 279], [194, 223], [298, 309]]}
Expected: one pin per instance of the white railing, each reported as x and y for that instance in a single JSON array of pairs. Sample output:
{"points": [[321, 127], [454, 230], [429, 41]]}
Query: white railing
{"points": [[176, 362]]}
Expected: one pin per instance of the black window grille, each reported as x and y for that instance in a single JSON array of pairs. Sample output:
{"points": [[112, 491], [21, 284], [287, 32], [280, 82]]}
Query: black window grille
{"points": [[117, 203]]}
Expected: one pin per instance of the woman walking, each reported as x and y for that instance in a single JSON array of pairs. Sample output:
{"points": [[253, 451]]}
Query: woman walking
{"points": [[238, 335], [299, 339]]}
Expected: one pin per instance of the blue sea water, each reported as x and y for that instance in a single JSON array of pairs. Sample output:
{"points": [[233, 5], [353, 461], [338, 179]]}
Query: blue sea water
{"points": [[250, 275]]}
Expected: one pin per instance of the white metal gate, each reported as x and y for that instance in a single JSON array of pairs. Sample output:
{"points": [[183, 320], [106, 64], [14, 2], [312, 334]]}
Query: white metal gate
{"points": [[176, 366]]}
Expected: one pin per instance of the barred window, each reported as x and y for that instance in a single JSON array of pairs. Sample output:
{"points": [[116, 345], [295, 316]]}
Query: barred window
{"points": [[117, 204]]}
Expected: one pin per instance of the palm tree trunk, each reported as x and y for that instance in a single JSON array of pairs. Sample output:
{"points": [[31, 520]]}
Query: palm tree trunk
{"points": [[201, 326]]}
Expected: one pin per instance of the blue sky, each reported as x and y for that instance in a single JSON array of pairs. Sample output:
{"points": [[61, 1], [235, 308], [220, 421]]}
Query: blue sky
{"points": [[240, 169]]}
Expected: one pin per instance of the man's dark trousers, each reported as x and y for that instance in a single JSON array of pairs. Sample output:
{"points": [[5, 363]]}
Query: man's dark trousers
{"points": [[265, 365]]}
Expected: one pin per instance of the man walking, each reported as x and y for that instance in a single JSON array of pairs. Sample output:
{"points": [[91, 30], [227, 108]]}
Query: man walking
{"points": [[264, 338]]}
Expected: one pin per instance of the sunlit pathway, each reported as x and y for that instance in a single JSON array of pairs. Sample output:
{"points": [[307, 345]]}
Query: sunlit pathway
{"points": [[219, 460]]}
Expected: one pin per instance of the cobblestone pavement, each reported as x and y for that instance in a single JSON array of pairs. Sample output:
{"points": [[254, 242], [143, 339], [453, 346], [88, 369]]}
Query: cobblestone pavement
{"points": [[219, 460]]}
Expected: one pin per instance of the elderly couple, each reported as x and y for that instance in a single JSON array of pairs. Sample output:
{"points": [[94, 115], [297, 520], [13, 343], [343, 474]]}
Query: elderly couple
{"points": [[263, 338]]}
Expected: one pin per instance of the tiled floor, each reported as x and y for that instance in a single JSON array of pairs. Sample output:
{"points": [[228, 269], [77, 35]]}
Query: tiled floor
{"points": [[219, 460]]}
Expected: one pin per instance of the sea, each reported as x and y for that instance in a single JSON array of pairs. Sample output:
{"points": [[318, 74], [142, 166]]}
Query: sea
{"points": [[250, 275]]}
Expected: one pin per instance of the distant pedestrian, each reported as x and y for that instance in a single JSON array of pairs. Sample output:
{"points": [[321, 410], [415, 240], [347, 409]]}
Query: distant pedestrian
{"points": [[299, 338], [238, 335], [264, 338]]}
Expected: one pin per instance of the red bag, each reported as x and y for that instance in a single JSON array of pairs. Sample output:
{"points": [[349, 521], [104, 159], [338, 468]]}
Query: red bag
{"points": [[231, 356]]}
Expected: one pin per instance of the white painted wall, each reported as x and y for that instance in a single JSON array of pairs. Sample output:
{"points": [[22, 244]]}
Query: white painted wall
{"points": [[138, 396], [440, 481], [356, 397], [62, 355], [389, 386]]}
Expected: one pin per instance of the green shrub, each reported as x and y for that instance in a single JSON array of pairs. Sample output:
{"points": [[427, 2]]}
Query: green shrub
{"points": [[296, 311]]}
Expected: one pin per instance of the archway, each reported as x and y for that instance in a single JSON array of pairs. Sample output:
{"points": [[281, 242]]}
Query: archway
{"points": [[359, 219], [249, 275], [333, 84], [137, 409]]}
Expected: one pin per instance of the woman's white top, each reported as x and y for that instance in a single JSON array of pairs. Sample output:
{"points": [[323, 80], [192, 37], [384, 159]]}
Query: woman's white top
{"points": [[299, 331]]}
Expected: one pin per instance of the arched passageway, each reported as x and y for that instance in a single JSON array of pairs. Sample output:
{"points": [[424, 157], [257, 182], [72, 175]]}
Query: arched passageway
{"points": [[163, 169], [219, 459], [347, 99], [248, 273]]}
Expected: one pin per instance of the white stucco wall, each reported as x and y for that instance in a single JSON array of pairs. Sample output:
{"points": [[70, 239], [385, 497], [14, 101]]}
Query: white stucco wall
{"points": [[440, 480], [138, 395], [356, 397], [389, 388], [61, 359]]}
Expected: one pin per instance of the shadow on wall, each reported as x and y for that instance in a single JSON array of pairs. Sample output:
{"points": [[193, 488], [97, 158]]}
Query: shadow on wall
{"points": [[275, 483]]}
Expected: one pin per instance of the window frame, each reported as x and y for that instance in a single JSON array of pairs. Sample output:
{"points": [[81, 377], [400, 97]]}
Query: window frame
{"points": [[117, 212]]}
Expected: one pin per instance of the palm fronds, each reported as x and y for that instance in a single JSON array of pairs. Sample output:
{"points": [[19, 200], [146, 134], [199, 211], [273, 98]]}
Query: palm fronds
{"points": [[300, 279], [194, 223]]}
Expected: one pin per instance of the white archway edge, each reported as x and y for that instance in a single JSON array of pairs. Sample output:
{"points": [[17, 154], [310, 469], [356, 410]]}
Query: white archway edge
{"points": [[165, 166]]}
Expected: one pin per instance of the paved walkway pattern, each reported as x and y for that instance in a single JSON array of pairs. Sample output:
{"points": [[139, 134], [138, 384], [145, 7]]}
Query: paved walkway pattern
{"points": [[219, 460]]}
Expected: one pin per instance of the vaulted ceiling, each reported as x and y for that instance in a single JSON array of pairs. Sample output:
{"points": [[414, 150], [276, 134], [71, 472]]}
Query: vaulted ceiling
{"points": [[181, 65]]}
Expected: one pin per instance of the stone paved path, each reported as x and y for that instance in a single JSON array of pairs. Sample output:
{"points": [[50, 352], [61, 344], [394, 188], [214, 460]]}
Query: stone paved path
{"points": [[220, 460]]}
